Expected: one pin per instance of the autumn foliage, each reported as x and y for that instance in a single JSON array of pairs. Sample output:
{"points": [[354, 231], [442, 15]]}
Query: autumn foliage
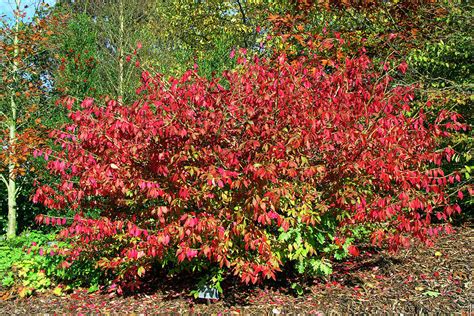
{"points": [[20, 67], [218, 172]]}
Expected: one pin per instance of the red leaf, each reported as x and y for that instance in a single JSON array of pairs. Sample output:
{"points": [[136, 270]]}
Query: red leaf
{"points": [[353, 251]]}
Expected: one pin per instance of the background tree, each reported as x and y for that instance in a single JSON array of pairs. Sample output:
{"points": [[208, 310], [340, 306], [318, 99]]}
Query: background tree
{"points": [[23, 93], [76, 73], [113, 32], [174, 34], [205, 31]]}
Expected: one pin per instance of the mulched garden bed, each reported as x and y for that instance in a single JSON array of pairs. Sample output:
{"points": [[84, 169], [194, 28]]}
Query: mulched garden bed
{"points": [[416, 281]]}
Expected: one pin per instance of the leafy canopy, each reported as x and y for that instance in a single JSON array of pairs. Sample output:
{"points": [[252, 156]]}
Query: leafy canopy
{"points": [[203, 171]]}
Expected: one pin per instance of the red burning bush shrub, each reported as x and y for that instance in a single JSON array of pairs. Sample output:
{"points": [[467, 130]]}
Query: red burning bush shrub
{"points": [[275, 162]]}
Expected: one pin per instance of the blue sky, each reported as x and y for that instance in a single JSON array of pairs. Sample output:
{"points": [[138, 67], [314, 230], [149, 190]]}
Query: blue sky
{"points": [[7, 7]]}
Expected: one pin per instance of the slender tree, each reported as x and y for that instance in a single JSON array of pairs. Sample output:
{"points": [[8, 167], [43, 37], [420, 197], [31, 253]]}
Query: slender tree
{"points": [[22, 92]]}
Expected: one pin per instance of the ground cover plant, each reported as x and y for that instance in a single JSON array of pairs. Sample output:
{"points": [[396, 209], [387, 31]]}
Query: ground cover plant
{"points": [[30, 263]]}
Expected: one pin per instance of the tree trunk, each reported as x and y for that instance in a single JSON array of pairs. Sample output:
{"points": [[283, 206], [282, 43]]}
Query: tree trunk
{"points": [[11, 186], [11, 189], [120, 50]]}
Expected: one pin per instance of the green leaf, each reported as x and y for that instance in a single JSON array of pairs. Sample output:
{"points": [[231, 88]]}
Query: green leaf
{"points": [[93, 288], [432, 293], [58, 291], [320, 238], [297, 288]]}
